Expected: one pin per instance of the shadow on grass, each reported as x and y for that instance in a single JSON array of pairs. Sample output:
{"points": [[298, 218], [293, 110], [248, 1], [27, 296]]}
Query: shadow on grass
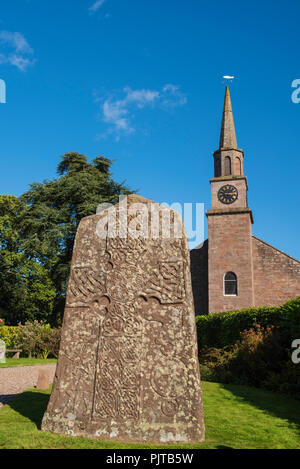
{"points": [[31, 405], [224, 447], [274, 404]]}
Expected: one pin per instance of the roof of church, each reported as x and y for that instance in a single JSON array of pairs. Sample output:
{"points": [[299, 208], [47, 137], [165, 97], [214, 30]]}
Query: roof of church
{"points": [[228, 136], [203, 245], [273, 247]]}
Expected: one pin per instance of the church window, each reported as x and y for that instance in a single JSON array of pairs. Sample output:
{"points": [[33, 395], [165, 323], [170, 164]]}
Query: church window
{"points": [[230, 284], [217, 166], [227, 168]]}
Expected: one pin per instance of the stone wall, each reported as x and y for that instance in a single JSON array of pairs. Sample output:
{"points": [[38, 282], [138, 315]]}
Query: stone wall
{"points": [[199, 274], [230, 250], [276, 275]]}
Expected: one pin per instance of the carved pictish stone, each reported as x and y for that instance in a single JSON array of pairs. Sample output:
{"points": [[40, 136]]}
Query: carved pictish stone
{"points": [[128, 363]]}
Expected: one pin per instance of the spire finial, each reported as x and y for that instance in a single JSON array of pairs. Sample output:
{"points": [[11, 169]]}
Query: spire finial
{"points": [[228, 136], [228, 79]]}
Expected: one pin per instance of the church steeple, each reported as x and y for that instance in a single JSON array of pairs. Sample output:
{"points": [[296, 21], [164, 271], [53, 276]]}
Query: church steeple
{"points": [[229, 159], [229, 225], [228, 136]]}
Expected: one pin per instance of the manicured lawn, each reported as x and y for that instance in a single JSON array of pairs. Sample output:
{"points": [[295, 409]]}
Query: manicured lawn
{"points": [[235, 417], [26, 362]]}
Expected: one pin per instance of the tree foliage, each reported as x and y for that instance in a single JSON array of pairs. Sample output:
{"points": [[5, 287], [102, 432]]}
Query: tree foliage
{"points": [[26, 289], [54, 209]]}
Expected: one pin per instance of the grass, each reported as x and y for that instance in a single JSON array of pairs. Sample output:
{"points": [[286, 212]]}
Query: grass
{"points": [[26, 362], [235, 417]]}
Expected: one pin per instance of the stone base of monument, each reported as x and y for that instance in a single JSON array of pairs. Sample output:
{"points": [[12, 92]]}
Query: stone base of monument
{"points": [[128, 431], [128, 365]]}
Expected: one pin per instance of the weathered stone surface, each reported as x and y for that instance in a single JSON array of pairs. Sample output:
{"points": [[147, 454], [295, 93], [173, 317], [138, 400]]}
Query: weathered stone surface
{"points": [[43, 381], [128, 367], [2, 351]]}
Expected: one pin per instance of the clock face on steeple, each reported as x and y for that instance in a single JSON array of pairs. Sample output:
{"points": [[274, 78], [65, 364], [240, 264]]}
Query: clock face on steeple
{"points": [[228, 194]]}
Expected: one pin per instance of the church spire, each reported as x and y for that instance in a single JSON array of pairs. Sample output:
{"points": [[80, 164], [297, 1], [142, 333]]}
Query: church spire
{"points": [[229, 159], [228, 136]]}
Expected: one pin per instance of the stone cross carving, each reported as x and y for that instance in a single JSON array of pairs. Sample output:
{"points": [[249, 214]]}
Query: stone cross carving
{"points": [[2, 351], [128, 366]]}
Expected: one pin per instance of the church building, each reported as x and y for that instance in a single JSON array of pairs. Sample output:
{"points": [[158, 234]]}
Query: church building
{"points": [[234, 269]]}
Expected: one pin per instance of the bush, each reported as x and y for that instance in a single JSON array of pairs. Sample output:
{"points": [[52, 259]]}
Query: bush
{"points": [[259, 358], [50, 339], [252, 347], [10, 335], [223, 329], [39, 340]]}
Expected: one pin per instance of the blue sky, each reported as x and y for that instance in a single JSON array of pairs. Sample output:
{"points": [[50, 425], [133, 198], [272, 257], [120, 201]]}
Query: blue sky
{"points": [[140, 81]]}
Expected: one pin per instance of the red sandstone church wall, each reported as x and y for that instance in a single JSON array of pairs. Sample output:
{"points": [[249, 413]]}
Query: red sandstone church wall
{"points": [[276, 275], [230, 250], [199, 275]]}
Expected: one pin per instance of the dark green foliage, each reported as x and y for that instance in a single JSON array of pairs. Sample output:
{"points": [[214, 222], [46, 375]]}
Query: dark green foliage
{"points": [[37, 234], [259, 355], [26, 289], [54, 210], [223, 329]]}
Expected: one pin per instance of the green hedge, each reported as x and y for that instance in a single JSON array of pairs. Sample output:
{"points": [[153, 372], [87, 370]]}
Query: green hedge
{"points": [[223, 329], [10, 335]]}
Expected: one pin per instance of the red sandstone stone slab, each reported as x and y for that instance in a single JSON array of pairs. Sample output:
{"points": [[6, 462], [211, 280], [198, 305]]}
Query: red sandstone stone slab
{"points": [[128, 365], [43, 381]]}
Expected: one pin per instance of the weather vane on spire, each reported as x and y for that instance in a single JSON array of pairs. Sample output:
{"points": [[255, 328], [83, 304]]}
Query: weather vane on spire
{"points": [[228, 79]]}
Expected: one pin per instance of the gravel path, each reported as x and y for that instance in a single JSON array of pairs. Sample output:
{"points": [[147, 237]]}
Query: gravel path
{"points": [[15, 380]]}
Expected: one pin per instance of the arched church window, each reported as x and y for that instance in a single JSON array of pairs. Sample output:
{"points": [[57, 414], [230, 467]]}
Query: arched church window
{"points": [[217, 166], [237, 166], [227, 168], [230, 284]]}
